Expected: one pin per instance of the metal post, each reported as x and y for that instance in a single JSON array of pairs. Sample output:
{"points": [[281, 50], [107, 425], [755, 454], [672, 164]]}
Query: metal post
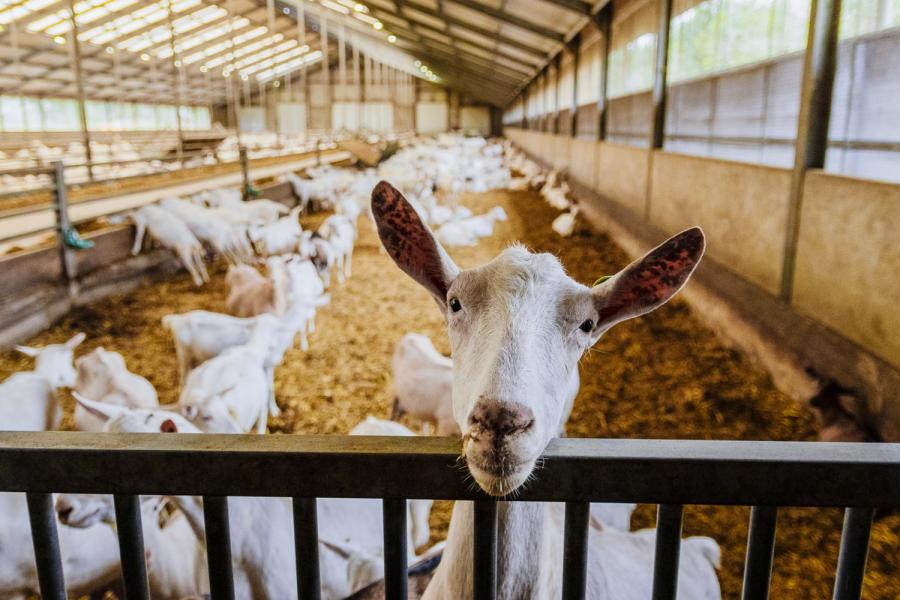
{"points": [[853, 554], [525, 108], [605, 24], [658, 132], [484, 570], [812, 125], [245, 172], [668, 546], [61, 208], [557, 64], [79, 90], [176, 82], [760, 548], [306, 551], [45, 540], [131, 546], [574, 47], [395, 568], [326, 72]]}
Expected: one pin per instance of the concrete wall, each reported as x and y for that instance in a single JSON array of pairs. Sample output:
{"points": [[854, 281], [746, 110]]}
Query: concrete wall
{"points": [[848, 260], [845, 312], [741, 207]]}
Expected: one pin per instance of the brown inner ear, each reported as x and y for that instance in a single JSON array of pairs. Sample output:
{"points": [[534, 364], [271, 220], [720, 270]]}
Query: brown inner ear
{"points": [[407, 239]]}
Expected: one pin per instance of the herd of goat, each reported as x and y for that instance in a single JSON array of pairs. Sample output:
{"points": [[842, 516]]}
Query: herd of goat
{"points": [[226, 365]]}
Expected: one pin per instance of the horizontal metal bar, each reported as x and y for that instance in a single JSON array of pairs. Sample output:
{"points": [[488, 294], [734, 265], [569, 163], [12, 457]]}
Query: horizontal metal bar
{"points": [[597, 470], [760, 549], [668, 549], [854, 550], [45, 540], [131, 547]]}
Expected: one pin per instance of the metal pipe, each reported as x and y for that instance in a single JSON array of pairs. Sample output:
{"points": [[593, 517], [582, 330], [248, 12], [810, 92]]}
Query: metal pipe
{"points": [[668, 546], [574, 47], [812, 124], [176, 83], [760, 549], [218, 547], [854, 550], [658, 131], [75, 44], [131, 546], [484, 573], [575, 552], [306, 548], [395, 571], [46, 546], [605, 25], [61, 210]]}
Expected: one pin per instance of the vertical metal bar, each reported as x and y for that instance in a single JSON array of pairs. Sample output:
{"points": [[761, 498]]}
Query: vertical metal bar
{"points": [[395, 577], [131, 547], [176, 82], [760, 549], [658, 133], [575, 49], [575, 555], [61, 210], [79, 90], [557, 66], [245, 172], [46, 546], [812, 125], [854, 550], [484, 572], [306, 548], [218, 547], [668, 546], [605, 25]]}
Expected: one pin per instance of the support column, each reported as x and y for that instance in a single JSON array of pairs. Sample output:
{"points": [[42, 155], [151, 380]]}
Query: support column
{"points": [[176, 81], [604, 23], [812, 125], [658, 131], [574, 47], [557, 65], [79, 90]]}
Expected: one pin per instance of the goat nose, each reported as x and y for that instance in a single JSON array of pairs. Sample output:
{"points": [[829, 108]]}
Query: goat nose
{"points": [[501, 418], [64, 513]]}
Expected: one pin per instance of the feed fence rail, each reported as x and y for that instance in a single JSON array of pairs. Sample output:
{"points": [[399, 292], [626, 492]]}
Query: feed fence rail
{"points": [[764, 475]]}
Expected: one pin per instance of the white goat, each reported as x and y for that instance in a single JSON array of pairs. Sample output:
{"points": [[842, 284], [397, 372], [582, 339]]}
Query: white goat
{"points": [[224, 237], [509, 408], [564, 224], [173, 234], [280, 237], [250, 293], [341, 234], [266, 211], [231, 392], [423, 383], [27, 398], [320, 252], [103, 376]]}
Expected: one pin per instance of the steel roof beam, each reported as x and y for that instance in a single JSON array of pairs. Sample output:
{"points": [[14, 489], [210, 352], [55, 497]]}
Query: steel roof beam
{"points": [[510, 19]]}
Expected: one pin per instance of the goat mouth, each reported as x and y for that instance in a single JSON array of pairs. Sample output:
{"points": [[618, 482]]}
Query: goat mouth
{"points": [[499, 479]]}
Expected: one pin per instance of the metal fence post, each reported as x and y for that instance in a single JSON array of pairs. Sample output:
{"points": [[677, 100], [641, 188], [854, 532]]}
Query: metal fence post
{"points": [[318, 152], [61, 209], [245, 172]]}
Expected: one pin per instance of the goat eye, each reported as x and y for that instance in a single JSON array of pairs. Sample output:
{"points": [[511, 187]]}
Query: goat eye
{"points": [[455, 305], [587, 326]]}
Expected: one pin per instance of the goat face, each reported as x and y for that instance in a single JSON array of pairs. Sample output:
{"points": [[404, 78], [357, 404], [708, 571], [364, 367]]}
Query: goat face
{"points": [[518, 326], [84, 510], [54, 362]]}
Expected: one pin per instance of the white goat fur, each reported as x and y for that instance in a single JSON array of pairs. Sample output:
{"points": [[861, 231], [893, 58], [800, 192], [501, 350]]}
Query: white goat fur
{"points": [[172, 233]]}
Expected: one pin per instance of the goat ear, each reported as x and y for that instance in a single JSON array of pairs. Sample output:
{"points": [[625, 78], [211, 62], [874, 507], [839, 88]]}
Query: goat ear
{"points": [[28, 350], [410, 242], [75, 340], [104, 410], [649, 282]]}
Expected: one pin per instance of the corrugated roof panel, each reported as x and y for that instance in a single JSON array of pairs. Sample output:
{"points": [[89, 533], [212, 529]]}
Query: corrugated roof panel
{"points": [[476, 50], [433, 35], [462, 32], [509, 63], [492, 3], [544, 14], [470, 16], [524, 56], [528, 38], [423, 18]]}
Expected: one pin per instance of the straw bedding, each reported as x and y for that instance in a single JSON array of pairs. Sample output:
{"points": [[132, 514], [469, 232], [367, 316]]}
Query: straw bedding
{"points": [[661, 376]]}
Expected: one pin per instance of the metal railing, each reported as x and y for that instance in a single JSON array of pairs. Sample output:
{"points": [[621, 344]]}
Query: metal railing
{"points": [[764, 475]]}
